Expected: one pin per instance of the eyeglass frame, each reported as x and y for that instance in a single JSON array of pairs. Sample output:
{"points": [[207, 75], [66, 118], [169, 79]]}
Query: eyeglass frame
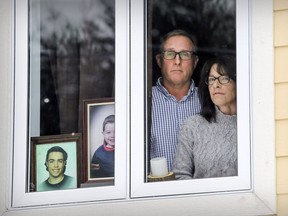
{"points": [[217, 78], [193, 53]]}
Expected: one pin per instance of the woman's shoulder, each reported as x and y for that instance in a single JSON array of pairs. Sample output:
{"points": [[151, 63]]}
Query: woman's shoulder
{"points": [[194, 121]]}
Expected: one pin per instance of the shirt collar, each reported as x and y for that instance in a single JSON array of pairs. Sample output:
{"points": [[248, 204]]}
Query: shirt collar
{"points": [[162, 89], [106, 148]]}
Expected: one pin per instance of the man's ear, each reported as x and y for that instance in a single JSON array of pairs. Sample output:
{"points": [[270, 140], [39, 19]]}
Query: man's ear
{"points": [[159, 60], [196, 62]]}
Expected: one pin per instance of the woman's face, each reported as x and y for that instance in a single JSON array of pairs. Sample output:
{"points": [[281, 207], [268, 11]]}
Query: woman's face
{"points": [[222, 95]]}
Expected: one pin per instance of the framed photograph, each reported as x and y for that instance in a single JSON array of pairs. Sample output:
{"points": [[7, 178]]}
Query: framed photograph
{"points": [[55, 162], [98, 142]]}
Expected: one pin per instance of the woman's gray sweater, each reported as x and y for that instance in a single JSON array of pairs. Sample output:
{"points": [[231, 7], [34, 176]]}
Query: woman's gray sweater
{"points": [[207, 149]]}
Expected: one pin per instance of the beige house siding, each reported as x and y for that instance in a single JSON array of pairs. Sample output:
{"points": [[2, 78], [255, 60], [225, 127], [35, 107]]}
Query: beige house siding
{"points": [[281, 102]]}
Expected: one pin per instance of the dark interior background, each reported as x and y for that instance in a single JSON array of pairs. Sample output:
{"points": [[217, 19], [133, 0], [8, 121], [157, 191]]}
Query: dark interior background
{"points": [[211, 22], [78, 49]]}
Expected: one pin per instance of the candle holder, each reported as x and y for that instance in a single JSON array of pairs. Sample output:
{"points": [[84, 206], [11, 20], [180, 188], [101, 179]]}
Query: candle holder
{"points": [[170, 176]]}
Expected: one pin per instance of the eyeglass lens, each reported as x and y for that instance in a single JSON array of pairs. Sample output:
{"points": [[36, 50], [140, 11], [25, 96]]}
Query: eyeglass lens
{"points": [[184, 55], [222, 79]]}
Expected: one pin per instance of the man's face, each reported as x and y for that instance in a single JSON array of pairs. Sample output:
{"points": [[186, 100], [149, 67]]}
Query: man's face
{"points": [[55, 164], [177, 71]]}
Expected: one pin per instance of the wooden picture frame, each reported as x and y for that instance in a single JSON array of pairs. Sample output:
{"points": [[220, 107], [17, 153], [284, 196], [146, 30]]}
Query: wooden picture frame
{"points": [[43, 171], [94, 113]]}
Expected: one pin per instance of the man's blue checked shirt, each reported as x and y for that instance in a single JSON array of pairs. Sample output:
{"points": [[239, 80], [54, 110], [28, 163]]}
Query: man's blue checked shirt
{"points": [[168, 115]]}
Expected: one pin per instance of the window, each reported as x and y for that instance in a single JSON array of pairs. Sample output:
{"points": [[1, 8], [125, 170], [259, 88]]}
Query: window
{"points": [[73, 65], [65, 42], [140, 186], [132, 111]]}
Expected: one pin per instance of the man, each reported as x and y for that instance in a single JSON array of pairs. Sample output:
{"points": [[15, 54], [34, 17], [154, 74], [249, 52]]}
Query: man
{"points": [[56, 160], [174, 97]]}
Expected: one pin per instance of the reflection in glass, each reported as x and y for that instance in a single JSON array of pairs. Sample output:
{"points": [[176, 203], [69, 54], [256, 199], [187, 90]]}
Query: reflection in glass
{"points": [[72, 59], [212, 24]]}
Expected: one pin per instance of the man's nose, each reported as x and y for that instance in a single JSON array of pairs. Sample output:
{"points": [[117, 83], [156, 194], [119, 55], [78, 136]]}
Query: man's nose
{"points": [[177, 59]]}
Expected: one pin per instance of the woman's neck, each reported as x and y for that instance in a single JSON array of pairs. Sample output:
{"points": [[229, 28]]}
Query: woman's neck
{"points": [[228, 110]]}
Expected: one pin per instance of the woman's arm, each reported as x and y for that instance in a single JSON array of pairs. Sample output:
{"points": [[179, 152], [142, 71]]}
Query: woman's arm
{"points": [[183, 165]]}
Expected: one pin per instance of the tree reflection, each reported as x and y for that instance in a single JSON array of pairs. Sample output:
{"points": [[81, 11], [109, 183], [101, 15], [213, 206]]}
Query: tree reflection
{"points": [[211, 22], [77, 60], [78, 49]]}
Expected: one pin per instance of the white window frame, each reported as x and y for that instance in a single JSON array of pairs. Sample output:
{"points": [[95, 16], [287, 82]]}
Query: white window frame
{"points": [[20, 196], [244, 184], [260, 200], [243, 181]]}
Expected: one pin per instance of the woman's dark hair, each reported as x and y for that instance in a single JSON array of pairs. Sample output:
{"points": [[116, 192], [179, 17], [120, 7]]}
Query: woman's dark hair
{"points": [[226, 65]]}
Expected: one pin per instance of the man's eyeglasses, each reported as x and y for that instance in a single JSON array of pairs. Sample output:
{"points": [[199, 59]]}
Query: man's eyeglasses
{"points": [[221, 79], [184, 55]]}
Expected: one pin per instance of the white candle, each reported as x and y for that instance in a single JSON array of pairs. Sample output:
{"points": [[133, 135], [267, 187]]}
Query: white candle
{"points": [[159, 166]]}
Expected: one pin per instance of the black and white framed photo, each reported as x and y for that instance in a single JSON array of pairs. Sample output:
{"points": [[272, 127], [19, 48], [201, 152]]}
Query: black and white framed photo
{"points": [[99, 141]]}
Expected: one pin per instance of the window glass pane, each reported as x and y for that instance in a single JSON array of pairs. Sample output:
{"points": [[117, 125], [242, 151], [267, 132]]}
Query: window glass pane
{"points": [[212, 25], [72, 80]]}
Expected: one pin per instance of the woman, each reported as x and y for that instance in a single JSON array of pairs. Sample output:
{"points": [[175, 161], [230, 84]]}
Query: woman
{"points": [[207, 143]]}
